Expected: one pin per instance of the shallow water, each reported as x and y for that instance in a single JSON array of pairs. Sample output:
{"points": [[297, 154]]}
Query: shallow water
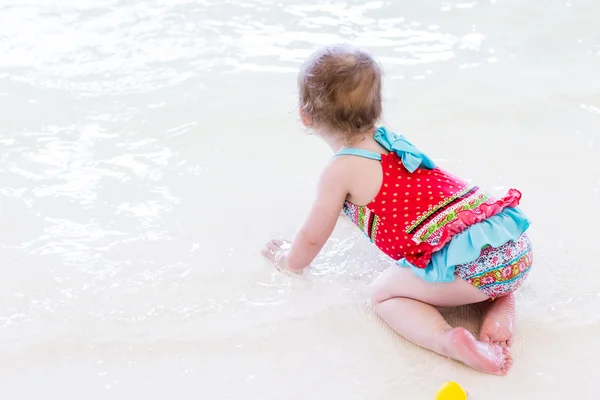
{"points": [[149, 148]]}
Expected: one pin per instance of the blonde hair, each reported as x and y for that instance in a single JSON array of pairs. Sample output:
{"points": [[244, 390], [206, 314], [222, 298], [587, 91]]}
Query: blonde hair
{"points": [[340, 90]]}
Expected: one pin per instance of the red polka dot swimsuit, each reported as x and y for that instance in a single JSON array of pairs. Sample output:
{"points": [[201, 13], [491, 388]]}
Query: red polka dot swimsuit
{"points": [[419, 207]]}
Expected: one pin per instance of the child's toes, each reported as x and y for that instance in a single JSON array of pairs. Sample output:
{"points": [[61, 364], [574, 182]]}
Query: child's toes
{"points": [[508, 362], [503, 344]]}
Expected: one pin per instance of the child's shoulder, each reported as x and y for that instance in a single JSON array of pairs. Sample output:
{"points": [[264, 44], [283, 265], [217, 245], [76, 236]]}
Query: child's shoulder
{"points": [[347, 164], [338, 167], [351, 171]]}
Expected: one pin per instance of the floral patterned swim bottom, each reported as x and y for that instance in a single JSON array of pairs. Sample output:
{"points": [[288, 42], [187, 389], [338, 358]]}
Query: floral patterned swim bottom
{"points": [[499, 271]]}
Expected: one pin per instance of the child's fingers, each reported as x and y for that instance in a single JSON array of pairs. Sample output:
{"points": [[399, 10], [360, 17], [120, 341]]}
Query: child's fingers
{"points": [[271, 249], [274, 247], [267, 252]]}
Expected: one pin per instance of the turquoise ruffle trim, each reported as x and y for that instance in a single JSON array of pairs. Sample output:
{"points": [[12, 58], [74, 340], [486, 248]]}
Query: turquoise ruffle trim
{"points": [[466, 246]]}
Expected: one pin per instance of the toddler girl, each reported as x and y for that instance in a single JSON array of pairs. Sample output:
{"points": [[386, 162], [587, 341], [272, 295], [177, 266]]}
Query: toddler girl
{"points": [[452, 242]]}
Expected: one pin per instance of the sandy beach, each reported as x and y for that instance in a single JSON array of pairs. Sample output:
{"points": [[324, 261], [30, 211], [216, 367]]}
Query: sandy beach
{"points": [[149, 149]]}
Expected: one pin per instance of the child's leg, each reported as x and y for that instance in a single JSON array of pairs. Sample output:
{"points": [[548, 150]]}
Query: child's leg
{"points": [[406, 303], [498, 321]]}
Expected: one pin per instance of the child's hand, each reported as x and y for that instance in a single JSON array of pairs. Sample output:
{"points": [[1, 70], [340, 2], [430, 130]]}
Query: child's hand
{"points": [[275, 250]]}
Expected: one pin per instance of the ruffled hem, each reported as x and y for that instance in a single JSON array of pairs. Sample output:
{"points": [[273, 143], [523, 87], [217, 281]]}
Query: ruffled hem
{"points": [[466, 246], [464, 220]]}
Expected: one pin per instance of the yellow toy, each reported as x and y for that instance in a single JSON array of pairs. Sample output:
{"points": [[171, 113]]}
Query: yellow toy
{"points": [[451, 391]]}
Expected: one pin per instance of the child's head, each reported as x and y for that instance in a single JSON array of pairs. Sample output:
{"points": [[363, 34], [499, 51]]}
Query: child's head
{"points": [[340, 91]]}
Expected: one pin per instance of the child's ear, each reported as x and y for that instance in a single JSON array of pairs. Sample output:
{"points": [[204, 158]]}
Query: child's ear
{"points": [[304, 117]]}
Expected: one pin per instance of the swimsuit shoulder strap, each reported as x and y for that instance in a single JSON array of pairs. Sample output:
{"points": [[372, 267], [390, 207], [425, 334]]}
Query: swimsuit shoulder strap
{"points": [[359, 153]]}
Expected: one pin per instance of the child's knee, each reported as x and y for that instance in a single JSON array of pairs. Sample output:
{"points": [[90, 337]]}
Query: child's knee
{"points": [[390, 284], [379, 291]]}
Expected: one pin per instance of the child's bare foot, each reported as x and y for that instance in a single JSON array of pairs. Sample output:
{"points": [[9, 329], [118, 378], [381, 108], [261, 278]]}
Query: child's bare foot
{"points": [[485, 357], [498, 321]]}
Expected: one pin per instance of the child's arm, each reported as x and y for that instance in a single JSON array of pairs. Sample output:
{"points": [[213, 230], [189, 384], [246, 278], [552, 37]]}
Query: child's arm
{"points": [[313, 234]]}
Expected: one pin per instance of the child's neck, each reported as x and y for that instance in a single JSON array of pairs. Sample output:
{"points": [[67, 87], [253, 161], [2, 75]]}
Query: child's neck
{"points": [[338, 142]]}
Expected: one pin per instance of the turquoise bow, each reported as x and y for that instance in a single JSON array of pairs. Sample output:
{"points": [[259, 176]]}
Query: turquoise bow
{"points": [[411, 157]]}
